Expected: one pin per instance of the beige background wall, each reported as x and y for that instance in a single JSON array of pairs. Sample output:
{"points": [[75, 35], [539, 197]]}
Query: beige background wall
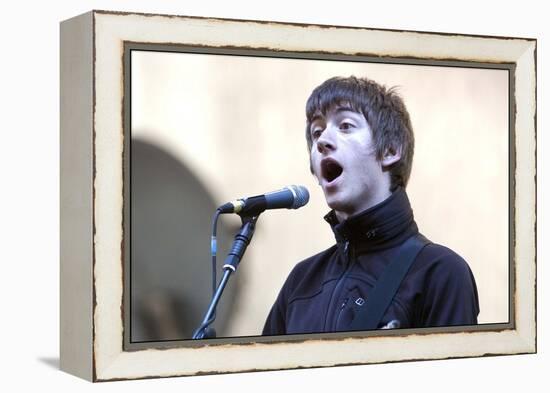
{"points": [[238, 124]]}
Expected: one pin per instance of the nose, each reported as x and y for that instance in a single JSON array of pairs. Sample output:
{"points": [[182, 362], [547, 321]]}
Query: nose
{"points": [[326, 141]]}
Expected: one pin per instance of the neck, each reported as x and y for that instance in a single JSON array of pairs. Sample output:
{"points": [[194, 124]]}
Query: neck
{"points": [[379, 197], [382, 226]]}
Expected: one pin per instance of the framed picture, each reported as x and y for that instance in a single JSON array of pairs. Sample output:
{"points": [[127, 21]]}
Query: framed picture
{"points": [[166, 118]]}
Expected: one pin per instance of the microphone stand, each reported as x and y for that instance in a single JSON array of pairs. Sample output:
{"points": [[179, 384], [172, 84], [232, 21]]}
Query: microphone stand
{"points": [[240, 243]]}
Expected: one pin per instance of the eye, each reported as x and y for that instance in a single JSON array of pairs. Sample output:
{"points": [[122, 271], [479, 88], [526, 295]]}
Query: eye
{"points": [[345, 125], [316, 133]]}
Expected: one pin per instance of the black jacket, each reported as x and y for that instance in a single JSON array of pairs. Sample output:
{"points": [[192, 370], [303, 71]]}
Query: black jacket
{"points": [[323, 292]]}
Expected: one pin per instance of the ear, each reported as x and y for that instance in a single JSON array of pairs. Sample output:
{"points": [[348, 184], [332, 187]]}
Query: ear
{"points": [[391, 156]]}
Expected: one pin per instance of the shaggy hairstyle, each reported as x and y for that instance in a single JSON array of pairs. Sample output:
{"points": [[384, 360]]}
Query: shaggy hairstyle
{"points": [[384, 111]]}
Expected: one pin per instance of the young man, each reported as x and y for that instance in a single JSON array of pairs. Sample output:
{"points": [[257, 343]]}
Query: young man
{"points": [[361, 145]]}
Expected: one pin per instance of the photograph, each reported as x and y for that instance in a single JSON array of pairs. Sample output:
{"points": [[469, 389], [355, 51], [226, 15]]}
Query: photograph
{"points": [[386, 151]]}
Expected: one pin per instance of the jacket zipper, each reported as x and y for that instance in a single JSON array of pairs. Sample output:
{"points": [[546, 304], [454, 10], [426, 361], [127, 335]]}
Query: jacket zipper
{"points": [[342, 306], [336, 290]]}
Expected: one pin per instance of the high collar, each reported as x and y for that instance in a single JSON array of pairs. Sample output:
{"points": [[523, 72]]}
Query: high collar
{"points": [[382, 226]]}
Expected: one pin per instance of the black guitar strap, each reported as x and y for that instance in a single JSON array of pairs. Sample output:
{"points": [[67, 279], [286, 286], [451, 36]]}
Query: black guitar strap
{"points": [[370, 314]]}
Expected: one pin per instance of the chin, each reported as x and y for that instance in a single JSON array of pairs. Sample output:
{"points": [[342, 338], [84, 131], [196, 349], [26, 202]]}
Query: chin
{"points": [[337, 204], [343, 203]]}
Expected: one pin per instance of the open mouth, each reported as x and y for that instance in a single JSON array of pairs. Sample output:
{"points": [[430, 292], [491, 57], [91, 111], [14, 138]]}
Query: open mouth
{"points": [[330, 169]]}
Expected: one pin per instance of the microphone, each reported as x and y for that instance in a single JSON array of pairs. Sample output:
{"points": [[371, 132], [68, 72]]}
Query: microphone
{"points": [[291, 197]]}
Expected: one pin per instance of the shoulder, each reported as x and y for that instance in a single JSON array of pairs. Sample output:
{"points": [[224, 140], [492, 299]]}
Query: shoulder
{"points": [[314, 263], [310, 273], [437, 258], [441, 267]]}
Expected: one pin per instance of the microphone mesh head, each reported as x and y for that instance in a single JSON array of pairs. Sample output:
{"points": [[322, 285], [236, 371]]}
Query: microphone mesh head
{"points": [[302, 196]]}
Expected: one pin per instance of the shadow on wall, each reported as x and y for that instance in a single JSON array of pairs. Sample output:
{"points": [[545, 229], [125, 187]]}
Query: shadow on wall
{"points": [[170, 269]]}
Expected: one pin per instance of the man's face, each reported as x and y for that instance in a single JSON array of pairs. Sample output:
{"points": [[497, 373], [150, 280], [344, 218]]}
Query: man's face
{"points": [[344, 161]]}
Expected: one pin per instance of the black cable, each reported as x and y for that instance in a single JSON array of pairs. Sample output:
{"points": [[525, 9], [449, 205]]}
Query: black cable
{"points": [[214, 248]]}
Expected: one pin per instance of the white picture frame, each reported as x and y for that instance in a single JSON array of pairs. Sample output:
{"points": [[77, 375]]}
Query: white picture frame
{"points": [[93, 237]]}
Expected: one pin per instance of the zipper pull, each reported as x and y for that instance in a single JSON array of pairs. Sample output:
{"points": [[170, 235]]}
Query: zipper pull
{"points": [[347, 252], [344, 303]]}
